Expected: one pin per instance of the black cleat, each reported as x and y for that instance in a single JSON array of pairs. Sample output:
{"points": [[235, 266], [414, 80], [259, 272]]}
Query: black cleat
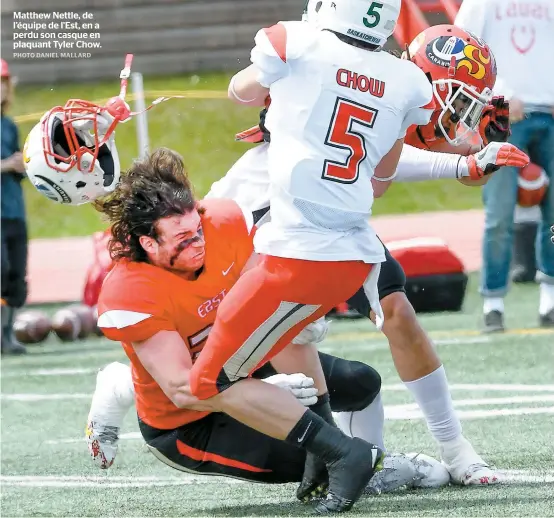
{"points": [[494, 322], [315, 480], [349, 476]]}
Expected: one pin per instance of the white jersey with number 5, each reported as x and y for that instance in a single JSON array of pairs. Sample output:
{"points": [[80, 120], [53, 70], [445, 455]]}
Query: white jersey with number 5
{"points": [[335, 111]]}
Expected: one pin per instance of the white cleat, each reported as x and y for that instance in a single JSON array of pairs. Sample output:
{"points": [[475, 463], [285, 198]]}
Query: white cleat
{"points": [[430, 473], [397, 471], [112, 399], [465, 466]]}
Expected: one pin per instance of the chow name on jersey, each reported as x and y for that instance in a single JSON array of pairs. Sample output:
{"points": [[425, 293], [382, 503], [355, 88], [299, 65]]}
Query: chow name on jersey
{"points": [[359, 82]]}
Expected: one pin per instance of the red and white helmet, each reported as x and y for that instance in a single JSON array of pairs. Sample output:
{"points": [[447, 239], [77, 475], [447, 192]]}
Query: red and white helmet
{"points": [[70, 155], [462, 69]]}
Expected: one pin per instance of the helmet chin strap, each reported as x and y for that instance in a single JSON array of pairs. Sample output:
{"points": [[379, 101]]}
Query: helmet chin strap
{"points": [[118, 108]]}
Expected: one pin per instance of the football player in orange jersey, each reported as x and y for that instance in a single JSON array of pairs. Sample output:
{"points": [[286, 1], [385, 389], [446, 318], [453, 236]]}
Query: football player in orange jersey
{"points": [[354, 386], [175, 261]]}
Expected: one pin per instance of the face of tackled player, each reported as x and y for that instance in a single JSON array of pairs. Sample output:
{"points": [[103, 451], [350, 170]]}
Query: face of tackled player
{"points": [[179, 244]]}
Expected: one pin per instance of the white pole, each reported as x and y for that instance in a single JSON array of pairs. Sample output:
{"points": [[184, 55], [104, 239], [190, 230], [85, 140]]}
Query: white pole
{"points": [[141, 119]]}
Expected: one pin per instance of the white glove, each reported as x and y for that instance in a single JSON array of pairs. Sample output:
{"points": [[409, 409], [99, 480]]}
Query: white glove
{"points": [[494, 156], [313, 333], [300, 385]]}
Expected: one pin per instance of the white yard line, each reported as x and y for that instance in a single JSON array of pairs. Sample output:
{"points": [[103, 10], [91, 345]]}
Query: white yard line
{"points": [[43, 397], [50, 372], [396, 387], [543, 398], [131, 436], [374, 345], [338, 335], [481, 387], [108, 481], [402, 414]]}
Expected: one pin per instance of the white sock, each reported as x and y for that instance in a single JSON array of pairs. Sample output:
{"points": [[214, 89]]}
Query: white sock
{"points": [[367, 424], [433, 397], [114, 395], [124, 388], [546, 298], [493, 304]]}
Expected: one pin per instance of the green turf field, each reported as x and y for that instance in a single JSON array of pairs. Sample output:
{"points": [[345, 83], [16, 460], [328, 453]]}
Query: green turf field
{"points": [[503, 386], [202, 130]]}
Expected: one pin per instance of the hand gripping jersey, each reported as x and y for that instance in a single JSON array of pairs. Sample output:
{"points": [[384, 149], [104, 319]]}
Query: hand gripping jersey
{"points": [[336, 110], [138, 300]]}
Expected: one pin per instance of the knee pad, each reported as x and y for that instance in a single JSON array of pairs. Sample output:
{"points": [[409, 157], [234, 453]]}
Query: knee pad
{"points": [[352, 385]]}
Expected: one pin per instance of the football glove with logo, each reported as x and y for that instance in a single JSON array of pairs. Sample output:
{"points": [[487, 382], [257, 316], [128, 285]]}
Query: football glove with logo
{"points": [[495, 121], [494, 156]]}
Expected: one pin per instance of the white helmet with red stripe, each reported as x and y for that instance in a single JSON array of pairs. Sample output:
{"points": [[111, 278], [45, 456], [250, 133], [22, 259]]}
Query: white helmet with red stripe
{"points": [[70, 155], [370, 22]]}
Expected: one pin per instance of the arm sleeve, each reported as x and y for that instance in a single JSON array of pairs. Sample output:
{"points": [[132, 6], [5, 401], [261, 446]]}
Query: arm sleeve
{"points": [[135, 311], [472, 17], [419, 165], [270, 54]]}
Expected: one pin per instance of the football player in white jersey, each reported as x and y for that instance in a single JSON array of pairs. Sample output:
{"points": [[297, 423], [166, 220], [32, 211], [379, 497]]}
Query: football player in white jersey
{"points": [[340, 111], [414, 354]]}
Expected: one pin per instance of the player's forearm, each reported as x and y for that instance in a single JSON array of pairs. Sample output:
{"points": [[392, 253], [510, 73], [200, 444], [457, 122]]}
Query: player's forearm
{"points": [[419, 165], [245, 89], [386, 169], [178, 391]]}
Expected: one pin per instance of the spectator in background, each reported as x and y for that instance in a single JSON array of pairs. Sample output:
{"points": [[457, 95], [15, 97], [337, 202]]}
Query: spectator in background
{"points": [[521, 36], [14, 226]]}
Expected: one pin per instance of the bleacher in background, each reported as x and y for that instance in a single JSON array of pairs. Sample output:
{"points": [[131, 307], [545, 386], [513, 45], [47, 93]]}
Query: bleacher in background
{"points": [[175, 36], [166, 36]]}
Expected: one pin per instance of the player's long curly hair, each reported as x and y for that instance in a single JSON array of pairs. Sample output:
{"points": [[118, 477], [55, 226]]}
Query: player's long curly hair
{"points": [[153, 188]]}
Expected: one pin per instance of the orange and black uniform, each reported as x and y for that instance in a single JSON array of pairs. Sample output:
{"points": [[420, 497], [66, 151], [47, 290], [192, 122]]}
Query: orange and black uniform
{"points": [[138, 300]]}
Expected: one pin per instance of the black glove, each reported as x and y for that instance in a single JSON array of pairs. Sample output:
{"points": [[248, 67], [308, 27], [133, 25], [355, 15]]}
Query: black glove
{"points": [[495, 121]]}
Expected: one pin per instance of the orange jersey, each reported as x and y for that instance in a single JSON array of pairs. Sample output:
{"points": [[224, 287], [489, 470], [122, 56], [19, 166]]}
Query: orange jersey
{"points": [[138, 300], [415, 139]]}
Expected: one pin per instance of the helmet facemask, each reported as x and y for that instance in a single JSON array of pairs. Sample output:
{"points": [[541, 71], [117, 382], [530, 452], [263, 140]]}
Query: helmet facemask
{"points": [[73, 135], [462, 105]]}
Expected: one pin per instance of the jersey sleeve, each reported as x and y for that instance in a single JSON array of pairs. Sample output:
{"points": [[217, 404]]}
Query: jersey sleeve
{"points": [[270, 54], [135, 308], [227, 218], [421, 105]]}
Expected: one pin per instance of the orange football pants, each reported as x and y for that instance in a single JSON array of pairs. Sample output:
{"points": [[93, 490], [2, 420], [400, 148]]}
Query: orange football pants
{"points": [[264, 311]]}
